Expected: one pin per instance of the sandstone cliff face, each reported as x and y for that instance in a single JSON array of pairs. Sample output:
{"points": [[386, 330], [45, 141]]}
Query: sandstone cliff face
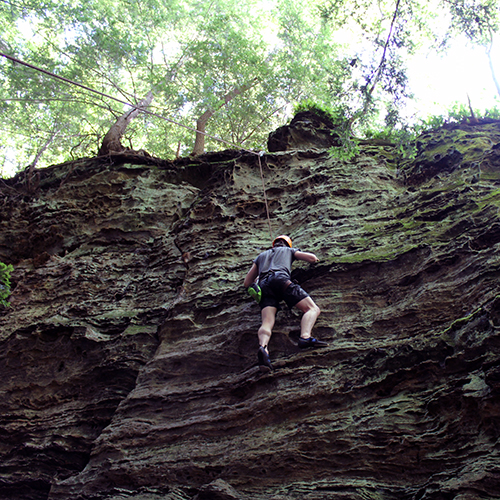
{"points": [[128, 355]]}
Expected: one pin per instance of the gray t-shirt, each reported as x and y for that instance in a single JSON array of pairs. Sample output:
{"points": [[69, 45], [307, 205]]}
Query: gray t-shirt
{"points": [[278, 259]]}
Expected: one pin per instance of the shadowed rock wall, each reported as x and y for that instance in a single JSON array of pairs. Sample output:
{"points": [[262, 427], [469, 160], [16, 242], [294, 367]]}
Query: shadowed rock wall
{"points": [[128, 354]]}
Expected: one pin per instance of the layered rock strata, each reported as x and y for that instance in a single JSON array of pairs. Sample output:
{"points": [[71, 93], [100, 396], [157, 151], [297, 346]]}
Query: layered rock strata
{"points": [[128, 354]]}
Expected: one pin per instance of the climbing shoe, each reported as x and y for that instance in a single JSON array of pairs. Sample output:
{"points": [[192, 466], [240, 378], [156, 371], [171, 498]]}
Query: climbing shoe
{"points": [[255, 292], [311, 342], [264, 360]]}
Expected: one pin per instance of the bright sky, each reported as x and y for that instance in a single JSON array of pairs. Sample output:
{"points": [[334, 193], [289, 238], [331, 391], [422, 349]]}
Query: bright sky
{"points": [[442, 80]]}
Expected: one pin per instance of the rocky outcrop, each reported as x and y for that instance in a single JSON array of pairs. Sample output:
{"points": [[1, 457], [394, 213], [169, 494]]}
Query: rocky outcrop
{"points": [[307, 130], [128, 354]]}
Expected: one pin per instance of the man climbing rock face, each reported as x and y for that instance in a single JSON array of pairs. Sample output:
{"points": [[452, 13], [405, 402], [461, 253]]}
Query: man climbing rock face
{"points": [[272, 268]]}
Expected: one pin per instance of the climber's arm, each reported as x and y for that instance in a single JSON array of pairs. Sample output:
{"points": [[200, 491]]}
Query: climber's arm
{"points": [[307, 256], [251, 275]]}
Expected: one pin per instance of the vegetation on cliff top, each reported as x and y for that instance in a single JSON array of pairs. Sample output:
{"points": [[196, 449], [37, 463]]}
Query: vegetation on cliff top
{"points": [[83, 78]]}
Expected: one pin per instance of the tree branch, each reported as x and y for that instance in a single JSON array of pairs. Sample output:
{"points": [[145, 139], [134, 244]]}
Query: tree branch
{"points": [[378, 71], [201, 123]]}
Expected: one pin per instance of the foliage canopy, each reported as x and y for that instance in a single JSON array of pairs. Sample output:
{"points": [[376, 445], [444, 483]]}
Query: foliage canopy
{"points": [[241, 65]]}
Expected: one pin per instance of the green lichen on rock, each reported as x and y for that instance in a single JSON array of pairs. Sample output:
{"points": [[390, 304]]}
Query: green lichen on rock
{"points": [[5, 272], [131, 339]]}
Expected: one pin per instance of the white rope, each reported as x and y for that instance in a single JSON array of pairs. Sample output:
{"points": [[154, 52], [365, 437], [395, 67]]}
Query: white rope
{"points": [[265, 196]]}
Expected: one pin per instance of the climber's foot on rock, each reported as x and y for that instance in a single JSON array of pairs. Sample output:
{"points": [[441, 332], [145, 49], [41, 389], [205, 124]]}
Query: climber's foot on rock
{"points": [[311, 343], [264, 360]]}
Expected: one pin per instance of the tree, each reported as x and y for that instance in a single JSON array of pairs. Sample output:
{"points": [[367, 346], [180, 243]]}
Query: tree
{"points": [[396, 30], [478, 22], [201, 123], [112, 140], [222, 69]]}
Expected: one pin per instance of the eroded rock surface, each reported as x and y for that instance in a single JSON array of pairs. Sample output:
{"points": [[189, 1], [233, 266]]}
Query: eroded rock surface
{"points": [[128, 354], [306, 131]]}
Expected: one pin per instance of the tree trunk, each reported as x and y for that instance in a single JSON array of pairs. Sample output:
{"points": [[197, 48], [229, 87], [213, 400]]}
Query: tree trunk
{"points": [[112, 140], [492, 69], [201, 123], [30, 171]]}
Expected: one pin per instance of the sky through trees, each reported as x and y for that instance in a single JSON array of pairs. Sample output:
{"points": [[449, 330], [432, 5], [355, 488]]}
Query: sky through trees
{"points": [[233, 70]]}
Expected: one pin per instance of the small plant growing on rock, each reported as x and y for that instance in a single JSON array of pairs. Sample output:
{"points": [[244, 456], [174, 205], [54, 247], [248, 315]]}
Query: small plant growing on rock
{"points": [[5, 271], [341, 125], [337, 116]]}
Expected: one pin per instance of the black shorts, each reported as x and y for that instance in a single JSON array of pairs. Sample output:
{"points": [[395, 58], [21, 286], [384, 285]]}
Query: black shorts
{"points": [[278, 287]]}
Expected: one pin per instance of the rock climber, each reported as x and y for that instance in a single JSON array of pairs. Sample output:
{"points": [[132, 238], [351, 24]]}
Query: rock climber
{"points": [[269, 282]]}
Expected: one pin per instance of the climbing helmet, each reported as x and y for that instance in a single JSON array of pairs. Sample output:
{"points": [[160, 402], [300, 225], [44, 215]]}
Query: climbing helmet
{"points": [[285, 238]]}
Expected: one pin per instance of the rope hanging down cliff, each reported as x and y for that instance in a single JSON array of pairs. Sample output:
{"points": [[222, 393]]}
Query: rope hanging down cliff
{"points": [[265, 196], [102, 94]]}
